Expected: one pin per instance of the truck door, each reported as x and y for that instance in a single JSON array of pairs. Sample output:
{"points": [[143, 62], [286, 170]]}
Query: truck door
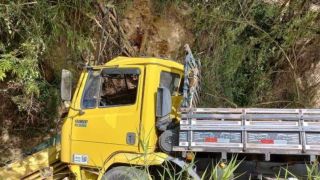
{"points": [[110, 101]]}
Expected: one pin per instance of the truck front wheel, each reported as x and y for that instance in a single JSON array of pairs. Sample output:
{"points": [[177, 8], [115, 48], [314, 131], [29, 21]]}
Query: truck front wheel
{"points": [[125, 173], [168, 139]]}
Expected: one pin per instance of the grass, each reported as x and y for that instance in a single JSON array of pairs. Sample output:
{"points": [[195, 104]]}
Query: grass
{"points": [[312, 172], [225, 172], [220, 171]]}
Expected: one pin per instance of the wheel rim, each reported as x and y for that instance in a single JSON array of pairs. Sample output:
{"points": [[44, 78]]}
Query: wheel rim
{"points": [[168, 140]]}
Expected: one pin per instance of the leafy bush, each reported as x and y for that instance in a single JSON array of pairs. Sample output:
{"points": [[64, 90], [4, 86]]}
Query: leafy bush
{"points": [[248, 46], [28, 31]]}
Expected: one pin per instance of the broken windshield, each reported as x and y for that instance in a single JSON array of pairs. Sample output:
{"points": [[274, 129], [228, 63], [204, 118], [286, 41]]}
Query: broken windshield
{"points": [[111, 87]]}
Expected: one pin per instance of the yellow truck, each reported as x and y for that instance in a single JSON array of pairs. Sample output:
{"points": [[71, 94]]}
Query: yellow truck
{"points": [[110, 126], [133, 113]]}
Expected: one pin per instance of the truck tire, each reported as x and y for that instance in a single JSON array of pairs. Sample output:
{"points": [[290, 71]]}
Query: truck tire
{"points": [[167, 140], [125, 173]]}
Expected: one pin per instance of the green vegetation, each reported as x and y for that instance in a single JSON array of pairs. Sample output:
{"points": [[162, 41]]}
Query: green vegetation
{"points": [[37, 40], [312, 172], [29, 30], [218, 171], [252, 51]]}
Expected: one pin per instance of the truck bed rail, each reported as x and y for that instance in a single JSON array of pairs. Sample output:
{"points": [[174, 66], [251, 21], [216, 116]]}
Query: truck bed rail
{"points": [[250, 130]]}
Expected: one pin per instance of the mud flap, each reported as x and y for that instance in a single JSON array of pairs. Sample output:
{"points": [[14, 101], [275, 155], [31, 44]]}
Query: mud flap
{"points": [[192, 172]]}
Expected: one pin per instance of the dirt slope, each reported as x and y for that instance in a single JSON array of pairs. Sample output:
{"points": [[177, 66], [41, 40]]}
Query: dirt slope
{"points": [[155, 35]]}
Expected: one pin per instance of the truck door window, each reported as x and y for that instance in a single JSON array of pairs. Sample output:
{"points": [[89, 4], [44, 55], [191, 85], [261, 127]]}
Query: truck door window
{"points": [[110, 87], [91, 90], [118, 89], [170, 81]]}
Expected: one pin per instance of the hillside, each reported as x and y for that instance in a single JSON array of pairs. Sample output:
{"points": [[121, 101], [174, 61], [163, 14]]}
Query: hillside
{"points": [[254, 53]]}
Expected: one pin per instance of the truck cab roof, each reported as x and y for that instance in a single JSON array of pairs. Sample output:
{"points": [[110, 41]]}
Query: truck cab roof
{"points": [[144, 61]]}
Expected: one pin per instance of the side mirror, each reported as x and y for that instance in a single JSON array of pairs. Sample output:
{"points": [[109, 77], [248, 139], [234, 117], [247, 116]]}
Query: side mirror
{"points": [[163, 102], [66, 85]]}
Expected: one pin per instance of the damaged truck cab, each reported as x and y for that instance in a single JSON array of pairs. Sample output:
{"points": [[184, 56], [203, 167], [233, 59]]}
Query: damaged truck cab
{"points": [[112, 116]]}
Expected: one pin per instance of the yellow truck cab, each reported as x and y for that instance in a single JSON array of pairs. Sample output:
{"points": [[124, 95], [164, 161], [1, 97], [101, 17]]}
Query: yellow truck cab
{"points": [[112, 116]]}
